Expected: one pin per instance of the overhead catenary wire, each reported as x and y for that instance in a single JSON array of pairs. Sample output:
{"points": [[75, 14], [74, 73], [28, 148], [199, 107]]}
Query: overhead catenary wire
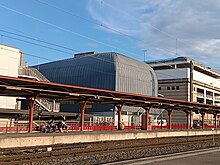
{"points": [[91, 68], [50, 48], [50, 60], [125, 34], [39, 57], [64, 29], [28, 54], [72, 31], [49, 23], [42, 41], [92, 56], [42, 45], [31, 37], [36, 44], [102, 25], [83, 18]]}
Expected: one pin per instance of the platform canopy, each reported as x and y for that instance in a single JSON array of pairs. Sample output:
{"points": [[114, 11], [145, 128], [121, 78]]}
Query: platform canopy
{"points": [[20, 87]]}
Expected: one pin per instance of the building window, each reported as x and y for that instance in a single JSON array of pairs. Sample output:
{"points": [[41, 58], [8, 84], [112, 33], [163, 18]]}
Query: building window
{"points": [[168, 88], [173, 88], [177, 88], [159, 88]]}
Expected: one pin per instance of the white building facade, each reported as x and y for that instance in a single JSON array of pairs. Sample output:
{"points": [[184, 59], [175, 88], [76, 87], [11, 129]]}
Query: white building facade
{"points": [[186, 79], [9, 64]]}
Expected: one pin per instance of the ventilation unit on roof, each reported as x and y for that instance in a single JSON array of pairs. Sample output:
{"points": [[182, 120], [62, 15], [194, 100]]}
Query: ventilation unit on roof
{"points": [[83, 54]]}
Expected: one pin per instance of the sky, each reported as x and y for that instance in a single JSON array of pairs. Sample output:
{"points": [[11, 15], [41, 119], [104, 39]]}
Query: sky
{"points": [[49, 30]]}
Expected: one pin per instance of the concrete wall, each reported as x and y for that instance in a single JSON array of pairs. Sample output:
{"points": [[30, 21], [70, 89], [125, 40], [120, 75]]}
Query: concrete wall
{"points": [[9, 63]]}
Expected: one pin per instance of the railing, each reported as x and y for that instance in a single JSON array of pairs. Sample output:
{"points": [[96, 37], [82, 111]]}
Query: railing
{"points": [[32, 72], [89, 126], [101, 127], [174, 126], [35, 74], [16, 128], [156, 127], [201, 95], [42, 106], [48, 105], [209, 96], [39, 126], [181, 126], [137, 127]]}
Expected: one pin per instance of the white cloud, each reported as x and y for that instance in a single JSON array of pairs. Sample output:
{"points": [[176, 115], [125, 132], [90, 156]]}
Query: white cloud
{"points": [[194, 23]]}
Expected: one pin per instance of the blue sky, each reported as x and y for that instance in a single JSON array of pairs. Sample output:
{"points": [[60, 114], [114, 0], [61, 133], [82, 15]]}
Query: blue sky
{"points": [[159, 28]]}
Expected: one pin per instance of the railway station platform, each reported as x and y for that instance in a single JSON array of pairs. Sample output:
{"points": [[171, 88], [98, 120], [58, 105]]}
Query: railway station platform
{"points": [[46, 139]]}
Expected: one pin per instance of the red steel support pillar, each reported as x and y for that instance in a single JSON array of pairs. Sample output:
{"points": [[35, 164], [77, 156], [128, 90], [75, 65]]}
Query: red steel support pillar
{"points": [[82, 119], [119, 107], [187, 120], [170, 119], [31, 114], [203, 117], [215, 122]]}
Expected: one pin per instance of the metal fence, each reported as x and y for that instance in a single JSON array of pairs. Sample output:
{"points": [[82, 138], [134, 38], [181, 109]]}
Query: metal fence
{"points": [[39, 126], [16, 128]]}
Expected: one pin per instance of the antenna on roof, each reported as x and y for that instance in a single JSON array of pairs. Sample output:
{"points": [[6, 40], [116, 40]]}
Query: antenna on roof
{"points": [[145, 51]]}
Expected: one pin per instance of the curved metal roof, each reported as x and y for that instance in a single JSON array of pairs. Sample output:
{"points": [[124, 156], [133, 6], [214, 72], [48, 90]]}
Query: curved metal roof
{"points": [[110, 71]]}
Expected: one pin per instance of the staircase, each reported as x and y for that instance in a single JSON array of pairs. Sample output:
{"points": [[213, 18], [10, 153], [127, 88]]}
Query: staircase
{"points": [[31, 73], [40, 104], [46, 105]]}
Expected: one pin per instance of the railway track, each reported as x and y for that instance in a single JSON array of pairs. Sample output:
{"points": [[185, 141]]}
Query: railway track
{"points": [[29, 155]]}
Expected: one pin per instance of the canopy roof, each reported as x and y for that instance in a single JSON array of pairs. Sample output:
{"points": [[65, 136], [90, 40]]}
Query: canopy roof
{"points": [[19, 87]]}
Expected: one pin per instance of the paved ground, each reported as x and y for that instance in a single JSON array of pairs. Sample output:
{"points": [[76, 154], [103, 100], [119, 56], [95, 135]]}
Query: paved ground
{"points": [[200, 157], [212, 158]]}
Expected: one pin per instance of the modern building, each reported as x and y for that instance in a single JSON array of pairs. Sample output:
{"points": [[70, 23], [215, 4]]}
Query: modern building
{"points": [[9, 64], [12, 64], [186, 79], [110, 71]]}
